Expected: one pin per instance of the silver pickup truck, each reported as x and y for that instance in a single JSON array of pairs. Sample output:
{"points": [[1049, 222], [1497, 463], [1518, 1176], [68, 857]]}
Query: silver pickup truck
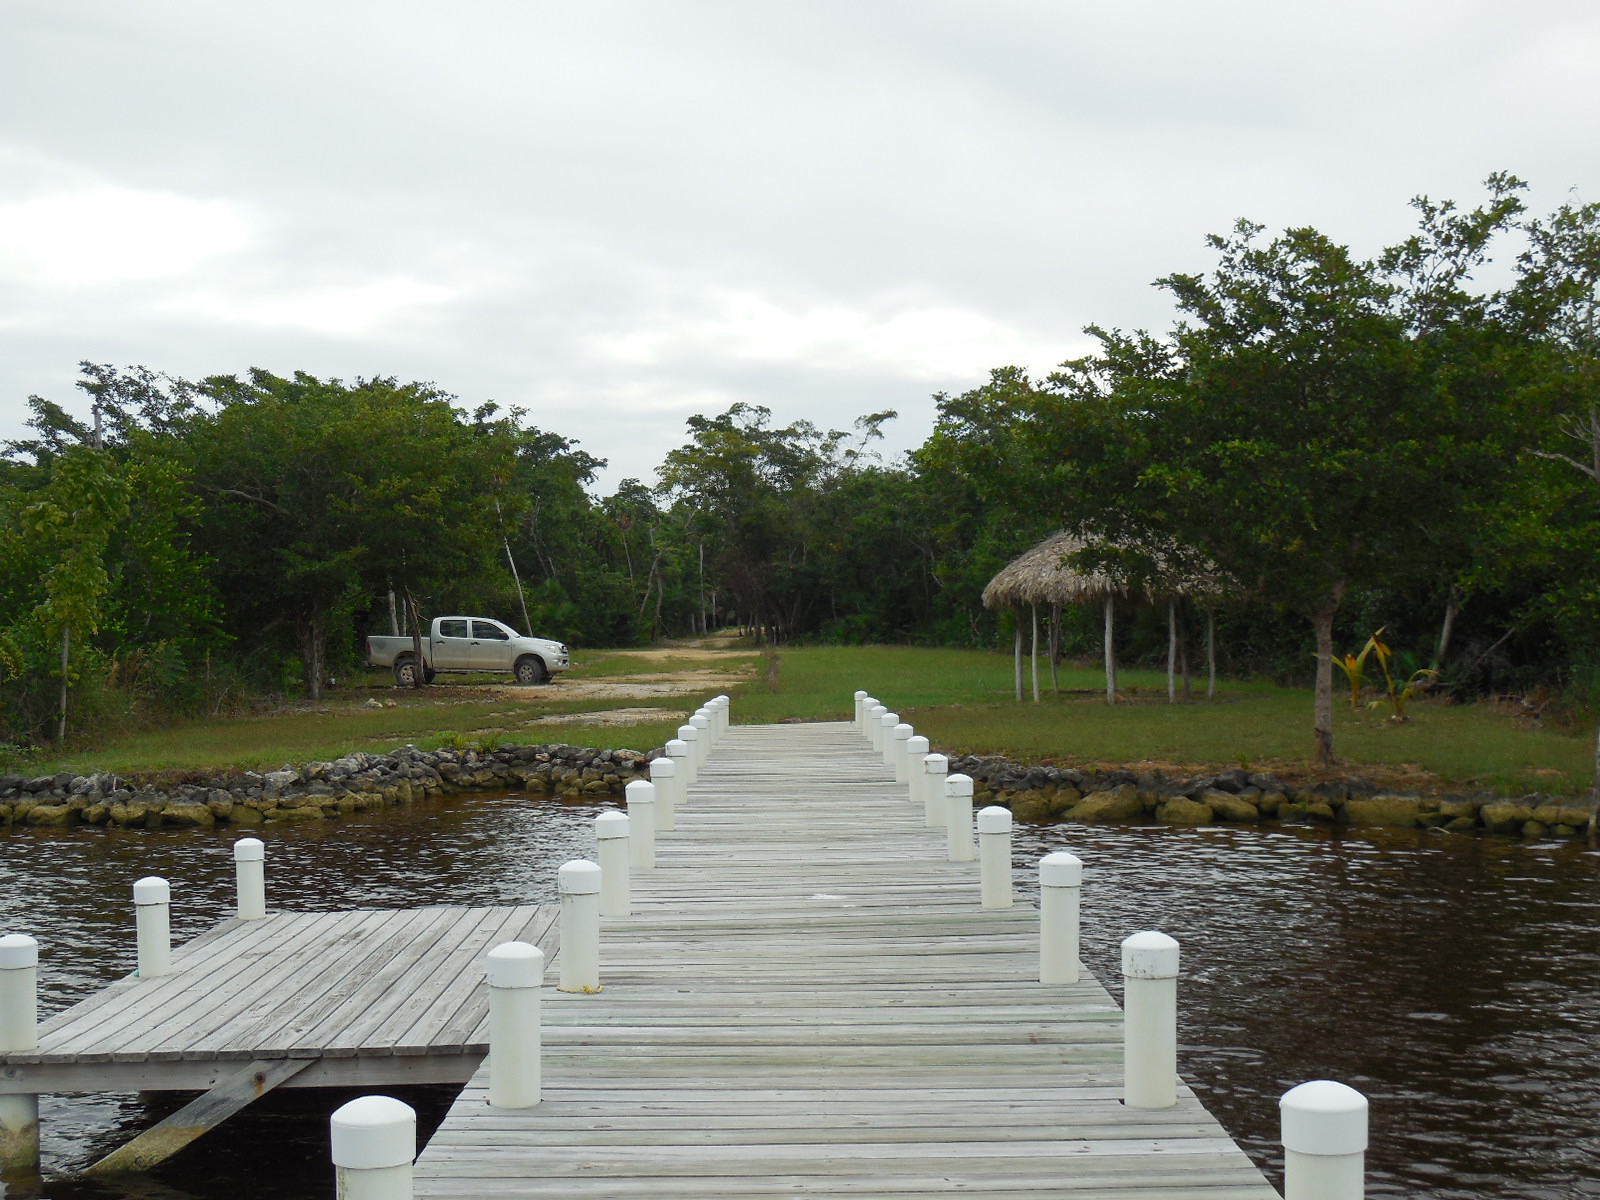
{"points": [[469, 644]]}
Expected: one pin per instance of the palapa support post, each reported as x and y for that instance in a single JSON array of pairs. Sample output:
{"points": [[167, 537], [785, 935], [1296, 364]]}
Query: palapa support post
{"points": [[1324, 1141], [611, 845], [958, 817], [886, 724], [19, 1034], [994, 856], [935, 769], [1060, 890], [900, 736], [374, 1142], [916, 751], [640, 796], [152, 906], [579, 884], [874, 728], [860, 696], [250, 874], [689, 767], [1149, 1021], [516, 973]]}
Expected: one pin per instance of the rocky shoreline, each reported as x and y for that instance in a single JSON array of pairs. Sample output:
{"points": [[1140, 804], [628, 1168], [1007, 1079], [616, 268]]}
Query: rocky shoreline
{"points": [[1045, 794], [315, 791]]}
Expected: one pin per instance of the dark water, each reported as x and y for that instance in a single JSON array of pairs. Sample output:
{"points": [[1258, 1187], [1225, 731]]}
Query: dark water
{"points": [[1454, 980]]}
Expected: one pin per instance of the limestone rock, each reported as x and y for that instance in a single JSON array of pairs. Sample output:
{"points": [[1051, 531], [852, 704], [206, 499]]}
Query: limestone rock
{"points": [[1117, 804], [1382, 810], [1226, 806], [1180, 810], [1506, 816]]}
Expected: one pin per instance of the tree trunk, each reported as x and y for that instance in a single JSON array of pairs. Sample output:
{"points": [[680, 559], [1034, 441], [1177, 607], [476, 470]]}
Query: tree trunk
{"points": [[1055, 646], [1111, 650], [1034, 653], [310, 636], [419, 676], [1172, 651], [1443, 647], [1322, 621], [394, 620], [1211, 654], [1016, 655], [1594, 794], [61, 725]]}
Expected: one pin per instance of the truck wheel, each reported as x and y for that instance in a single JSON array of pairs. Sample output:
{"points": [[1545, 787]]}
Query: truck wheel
{"points": [[531, 670], [405, 671], [427, 674]]}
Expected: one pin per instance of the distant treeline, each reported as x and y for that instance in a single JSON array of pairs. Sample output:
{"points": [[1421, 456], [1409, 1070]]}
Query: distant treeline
{"points": [[1329, 444]]}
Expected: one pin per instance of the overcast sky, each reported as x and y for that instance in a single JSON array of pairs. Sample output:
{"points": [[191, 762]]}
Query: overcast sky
{"points": [[616, 215]]}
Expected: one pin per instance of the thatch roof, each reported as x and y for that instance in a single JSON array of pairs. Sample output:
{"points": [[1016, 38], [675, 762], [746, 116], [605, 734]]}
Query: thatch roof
{"points": [[1038, 576]]}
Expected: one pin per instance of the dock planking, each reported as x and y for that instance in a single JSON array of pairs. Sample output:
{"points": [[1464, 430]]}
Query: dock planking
{"points": [[809, 1001]]}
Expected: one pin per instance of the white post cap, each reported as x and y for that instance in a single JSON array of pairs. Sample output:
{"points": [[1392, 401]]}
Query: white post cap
{"points": [[994, 819], [642, 791], [1060, 869], [917, 746], [721, 699], [18, 951], [701, 722], [958, 785], [374, 1131], [516, 965], [1149, 955], [665, 768], [935, 764], [860, 695], [903, 732], [152, 889], [888, 719], [611, 825], [1324, 1117], [580, 877], [876, 711], [249, 850], [677, 748], [688, 733]]}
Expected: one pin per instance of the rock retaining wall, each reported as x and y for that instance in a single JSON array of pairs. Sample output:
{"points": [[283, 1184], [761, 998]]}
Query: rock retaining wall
{"points": [[1050, 794], [315, 791]]}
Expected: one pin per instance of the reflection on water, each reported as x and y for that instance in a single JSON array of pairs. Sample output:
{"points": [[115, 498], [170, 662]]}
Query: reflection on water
{"points": [[1454, 980]]}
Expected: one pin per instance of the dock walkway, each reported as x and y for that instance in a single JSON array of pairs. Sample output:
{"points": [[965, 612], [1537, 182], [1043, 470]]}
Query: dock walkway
{"points": [[809, 1001]]}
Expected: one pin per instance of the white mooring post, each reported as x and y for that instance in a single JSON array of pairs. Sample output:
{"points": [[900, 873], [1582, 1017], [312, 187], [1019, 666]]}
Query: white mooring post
{"points": [[250, 874], [865, 724], [664, 774], [1149, 1021], [1324, 1141], [722, 704], [689, 766], [901, 735], [611, 843], [886, 724], [702, 729], [682, 756], [1060, 889], [916, 750], [874, 730], [640, 795], [19, 1033], [579, 884], [935, 769], [958, 817], [860, 696], [994, 856], [374, 1143], [516, 973], [152, 906]]}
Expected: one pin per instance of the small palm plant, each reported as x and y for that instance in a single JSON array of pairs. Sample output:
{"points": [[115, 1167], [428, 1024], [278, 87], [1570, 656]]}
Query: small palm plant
{"points": [[1413, 687], [1354, 667]]}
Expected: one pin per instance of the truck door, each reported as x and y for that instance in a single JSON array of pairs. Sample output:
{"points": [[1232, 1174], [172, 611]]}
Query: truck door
{"points": [[452, 648], [491, 647]]}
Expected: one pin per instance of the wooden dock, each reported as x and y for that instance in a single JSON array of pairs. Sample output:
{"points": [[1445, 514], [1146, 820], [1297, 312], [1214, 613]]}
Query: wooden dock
{"points": [[809, 1001]]}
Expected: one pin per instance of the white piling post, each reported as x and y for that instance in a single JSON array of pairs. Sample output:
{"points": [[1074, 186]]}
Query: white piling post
{"points": [[902, 734], [516, 973], [579, 884], [860, 696], [19, 1033], [1149, 1021], [994, 856], [935, 769], [152, 907], [886, 724], [874, 728], [681, 755], [689, 768], [1060, 890], [250, 873], [722, 703], [702, 729], [611, 843], [1324, 1141], [374, 1142], [958, 817], [867, 705], [641, 800], [916, 751]]}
